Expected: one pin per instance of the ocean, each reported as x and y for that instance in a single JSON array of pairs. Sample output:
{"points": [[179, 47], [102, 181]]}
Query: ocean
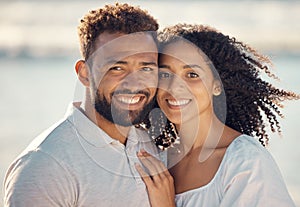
{"points": [[39, 47]]}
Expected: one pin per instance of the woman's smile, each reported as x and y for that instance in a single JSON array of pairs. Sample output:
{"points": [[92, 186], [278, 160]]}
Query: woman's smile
{"points": [[178, 103]]}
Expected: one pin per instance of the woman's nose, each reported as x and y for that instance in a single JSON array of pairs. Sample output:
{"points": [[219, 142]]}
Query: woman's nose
{"points": [[176, 84]]}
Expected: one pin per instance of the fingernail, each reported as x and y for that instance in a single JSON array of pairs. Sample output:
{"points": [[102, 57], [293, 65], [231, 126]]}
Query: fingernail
{"points": [[143, 151]]}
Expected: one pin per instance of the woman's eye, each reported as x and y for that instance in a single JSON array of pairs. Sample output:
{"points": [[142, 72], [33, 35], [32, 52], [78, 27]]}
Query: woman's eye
{"points": [[163, 75], [192, 75]]}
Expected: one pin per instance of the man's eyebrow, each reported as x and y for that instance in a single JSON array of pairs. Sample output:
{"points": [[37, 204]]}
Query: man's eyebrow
{"points": [[148, 64], [112, 62], [121, 62]]}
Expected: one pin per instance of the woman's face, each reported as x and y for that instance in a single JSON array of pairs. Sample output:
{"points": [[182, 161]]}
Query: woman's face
{"points": [[186, 83]]}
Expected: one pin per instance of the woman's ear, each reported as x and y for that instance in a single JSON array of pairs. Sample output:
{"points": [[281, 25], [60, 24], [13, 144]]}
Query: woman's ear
{"points": [[217, 88], [82, 71]]}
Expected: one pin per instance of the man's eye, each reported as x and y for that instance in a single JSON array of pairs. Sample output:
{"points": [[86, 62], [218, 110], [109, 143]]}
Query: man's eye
{"points": [[164, 75], [192, 75], [147, 69], [116, 68]]}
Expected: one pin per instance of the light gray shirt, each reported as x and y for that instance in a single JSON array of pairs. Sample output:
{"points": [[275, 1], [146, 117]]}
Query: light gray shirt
{"points": [[75, 163]]}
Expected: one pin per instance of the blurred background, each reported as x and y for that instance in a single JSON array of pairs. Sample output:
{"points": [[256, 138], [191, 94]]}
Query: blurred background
{"points": [[39, 46]]}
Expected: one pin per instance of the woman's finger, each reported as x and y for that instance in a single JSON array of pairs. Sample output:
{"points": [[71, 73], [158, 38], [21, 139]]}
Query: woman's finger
{"points": [[145, 177], [156, 168], [147, 160], [152, 162]]}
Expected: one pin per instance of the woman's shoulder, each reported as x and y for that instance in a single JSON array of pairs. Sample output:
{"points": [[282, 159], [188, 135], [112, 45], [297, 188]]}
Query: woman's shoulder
{"points": [[249, 168], [244, 153], [245, 146]]}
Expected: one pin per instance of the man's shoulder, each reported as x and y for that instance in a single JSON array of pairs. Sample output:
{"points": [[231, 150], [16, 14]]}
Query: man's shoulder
{"points": [[50, 140], [51, 148]]}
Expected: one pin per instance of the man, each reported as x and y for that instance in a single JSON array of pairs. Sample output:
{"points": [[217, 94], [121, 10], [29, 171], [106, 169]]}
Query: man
{"points": [[88, 158]]}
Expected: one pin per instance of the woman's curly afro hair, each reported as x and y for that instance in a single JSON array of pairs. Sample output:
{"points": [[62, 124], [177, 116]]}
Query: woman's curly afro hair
{"points": [[252, 103]]}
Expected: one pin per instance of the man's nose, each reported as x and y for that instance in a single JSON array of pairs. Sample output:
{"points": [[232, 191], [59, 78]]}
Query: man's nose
{"points": [[133, 82]]}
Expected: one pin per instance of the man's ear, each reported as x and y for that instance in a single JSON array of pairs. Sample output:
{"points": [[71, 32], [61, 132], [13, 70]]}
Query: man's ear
{"points": [[83, 71]]}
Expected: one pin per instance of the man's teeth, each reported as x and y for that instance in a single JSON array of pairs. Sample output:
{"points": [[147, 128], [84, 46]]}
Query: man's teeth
{"points": [[178, 102], [126, 100]]}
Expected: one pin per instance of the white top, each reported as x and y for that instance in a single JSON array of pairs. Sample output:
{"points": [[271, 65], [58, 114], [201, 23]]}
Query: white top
{"points": [[75, 163], [247, 176]]}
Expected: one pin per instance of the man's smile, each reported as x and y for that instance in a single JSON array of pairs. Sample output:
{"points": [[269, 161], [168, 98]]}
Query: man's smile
{"points": [[129, 101]]}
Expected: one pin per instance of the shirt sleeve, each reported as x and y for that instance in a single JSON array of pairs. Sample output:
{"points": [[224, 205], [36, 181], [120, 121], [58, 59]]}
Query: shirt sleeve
{"points": [[36, 179], [254, 180]]}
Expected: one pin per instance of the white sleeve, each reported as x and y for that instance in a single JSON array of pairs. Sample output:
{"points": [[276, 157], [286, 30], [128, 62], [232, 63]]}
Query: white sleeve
{"points": [[36, 179], [254, 181]]}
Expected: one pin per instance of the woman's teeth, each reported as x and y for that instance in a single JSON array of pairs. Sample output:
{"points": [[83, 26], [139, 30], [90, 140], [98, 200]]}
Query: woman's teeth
{"points": [[178, 102]]}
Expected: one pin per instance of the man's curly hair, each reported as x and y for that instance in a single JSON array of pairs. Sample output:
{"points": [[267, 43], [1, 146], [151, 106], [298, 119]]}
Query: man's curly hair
{"points": [[252, 103], [121, 18]]}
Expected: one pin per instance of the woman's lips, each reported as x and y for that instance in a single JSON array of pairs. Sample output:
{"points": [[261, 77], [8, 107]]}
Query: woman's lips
{"points": [[178, 103]]}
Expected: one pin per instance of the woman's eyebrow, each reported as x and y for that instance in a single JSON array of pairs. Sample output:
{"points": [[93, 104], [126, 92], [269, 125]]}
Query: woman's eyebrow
{"points": [[164, 66], [192, 66]]}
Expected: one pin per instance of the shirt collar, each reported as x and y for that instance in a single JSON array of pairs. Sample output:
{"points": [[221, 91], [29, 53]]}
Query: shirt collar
{"points": [[94, 135], [85, 128]]}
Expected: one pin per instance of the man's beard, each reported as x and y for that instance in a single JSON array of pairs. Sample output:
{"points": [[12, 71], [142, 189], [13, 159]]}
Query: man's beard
{"points": [[120, 116]]}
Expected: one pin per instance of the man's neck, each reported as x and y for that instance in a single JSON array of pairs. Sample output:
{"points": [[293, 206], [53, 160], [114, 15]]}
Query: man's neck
{"points": [[115, 131]]}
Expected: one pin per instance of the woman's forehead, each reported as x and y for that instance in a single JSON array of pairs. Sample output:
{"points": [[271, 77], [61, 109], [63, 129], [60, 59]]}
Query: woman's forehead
{"points": [[184, 51]]}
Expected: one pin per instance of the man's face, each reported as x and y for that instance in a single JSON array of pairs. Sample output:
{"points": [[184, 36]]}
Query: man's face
{"points": [[124, 77]]}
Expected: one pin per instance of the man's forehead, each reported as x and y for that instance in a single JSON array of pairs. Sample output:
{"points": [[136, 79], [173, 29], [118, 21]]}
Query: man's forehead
{"points": [[117, 46], [106, 37], [141, 41]]}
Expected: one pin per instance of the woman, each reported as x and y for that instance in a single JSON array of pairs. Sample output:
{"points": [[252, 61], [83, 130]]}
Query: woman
{"points": [[211, 91]]}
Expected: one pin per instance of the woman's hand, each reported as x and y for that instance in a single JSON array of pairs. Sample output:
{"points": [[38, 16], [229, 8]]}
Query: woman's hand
{"points": [[159, 182]]}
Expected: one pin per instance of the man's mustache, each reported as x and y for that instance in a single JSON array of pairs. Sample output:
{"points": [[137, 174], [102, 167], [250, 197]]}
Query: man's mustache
{"points": [[126, 91]]}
